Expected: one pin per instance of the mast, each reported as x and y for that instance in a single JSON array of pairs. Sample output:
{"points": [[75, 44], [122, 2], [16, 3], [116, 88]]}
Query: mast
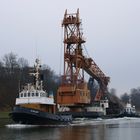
{"points": [[36, 74]]}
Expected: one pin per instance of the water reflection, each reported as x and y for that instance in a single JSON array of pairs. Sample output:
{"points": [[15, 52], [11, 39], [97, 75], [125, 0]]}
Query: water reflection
{"points": [[116, 129]]}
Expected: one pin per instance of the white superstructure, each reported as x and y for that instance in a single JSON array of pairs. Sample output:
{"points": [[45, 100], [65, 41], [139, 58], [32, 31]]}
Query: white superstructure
{"points": [[34, 93], [130, 109], [34, 96], [99, 108]]}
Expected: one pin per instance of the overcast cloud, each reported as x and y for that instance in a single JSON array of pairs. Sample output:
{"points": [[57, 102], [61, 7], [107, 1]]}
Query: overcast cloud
{"points": [[32, 28]]}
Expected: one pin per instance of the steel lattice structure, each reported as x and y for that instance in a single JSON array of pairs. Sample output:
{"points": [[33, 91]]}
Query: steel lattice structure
{"points": [[73, 86]]}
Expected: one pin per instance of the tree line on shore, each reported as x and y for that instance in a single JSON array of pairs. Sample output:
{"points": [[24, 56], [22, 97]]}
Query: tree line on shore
{"points": [[14, 71], [133, 97]]}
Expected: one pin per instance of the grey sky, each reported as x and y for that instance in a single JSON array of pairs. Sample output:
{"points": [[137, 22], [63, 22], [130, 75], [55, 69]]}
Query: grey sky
{"points": [[111, 28]]}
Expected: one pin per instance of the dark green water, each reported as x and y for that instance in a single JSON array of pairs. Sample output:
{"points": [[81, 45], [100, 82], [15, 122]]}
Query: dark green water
{"points": [[115, 129]]}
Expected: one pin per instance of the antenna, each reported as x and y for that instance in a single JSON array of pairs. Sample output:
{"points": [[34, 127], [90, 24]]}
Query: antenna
{"points": [[61, 56], [36, 49], [19, 85]]}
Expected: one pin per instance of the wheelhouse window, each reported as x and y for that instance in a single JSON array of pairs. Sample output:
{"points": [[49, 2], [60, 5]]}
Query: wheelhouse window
{"points": [[25, 95], [28, 94], [42, 94], [37, 94], [33, 94], [21, 94]]}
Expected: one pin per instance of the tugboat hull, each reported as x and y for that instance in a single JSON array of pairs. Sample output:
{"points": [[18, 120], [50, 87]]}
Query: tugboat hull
{"points": [[125, 114], [35, 117]]}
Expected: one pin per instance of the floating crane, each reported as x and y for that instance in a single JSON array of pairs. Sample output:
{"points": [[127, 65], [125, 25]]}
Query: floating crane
{"points": [[73, 91]]}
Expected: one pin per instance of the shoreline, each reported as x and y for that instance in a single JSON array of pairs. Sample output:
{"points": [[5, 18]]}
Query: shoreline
{"points": [[4, 115]]}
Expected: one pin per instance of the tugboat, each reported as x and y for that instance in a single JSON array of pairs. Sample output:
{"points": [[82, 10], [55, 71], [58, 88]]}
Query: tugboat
{"points": [[35, 106], [129, 111]]}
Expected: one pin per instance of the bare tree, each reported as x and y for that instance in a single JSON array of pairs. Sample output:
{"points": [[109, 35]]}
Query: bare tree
{"points": [[135, 97], [22, 62], [1, 64], [125, 98], [10, 62]]}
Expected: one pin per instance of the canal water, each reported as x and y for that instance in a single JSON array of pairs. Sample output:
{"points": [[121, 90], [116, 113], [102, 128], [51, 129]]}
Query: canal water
{"points": [[80, 129]]}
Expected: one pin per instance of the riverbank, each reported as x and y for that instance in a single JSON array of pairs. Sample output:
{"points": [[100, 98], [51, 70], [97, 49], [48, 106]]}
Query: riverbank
{"points": [[4, 115], [5, 119]]}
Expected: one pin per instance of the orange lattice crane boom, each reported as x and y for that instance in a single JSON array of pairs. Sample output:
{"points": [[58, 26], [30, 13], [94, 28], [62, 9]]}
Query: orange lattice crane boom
{"points": [[94, 71]]}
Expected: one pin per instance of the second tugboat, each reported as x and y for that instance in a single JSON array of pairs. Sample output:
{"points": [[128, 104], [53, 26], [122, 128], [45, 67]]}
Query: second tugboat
{"points": [[35, 106], [129, 111]]}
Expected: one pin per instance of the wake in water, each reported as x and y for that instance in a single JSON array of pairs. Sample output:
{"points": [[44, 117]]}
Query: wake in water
{"points": [[23, 126], [19, 126], [100, 121], [80, 122]]}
